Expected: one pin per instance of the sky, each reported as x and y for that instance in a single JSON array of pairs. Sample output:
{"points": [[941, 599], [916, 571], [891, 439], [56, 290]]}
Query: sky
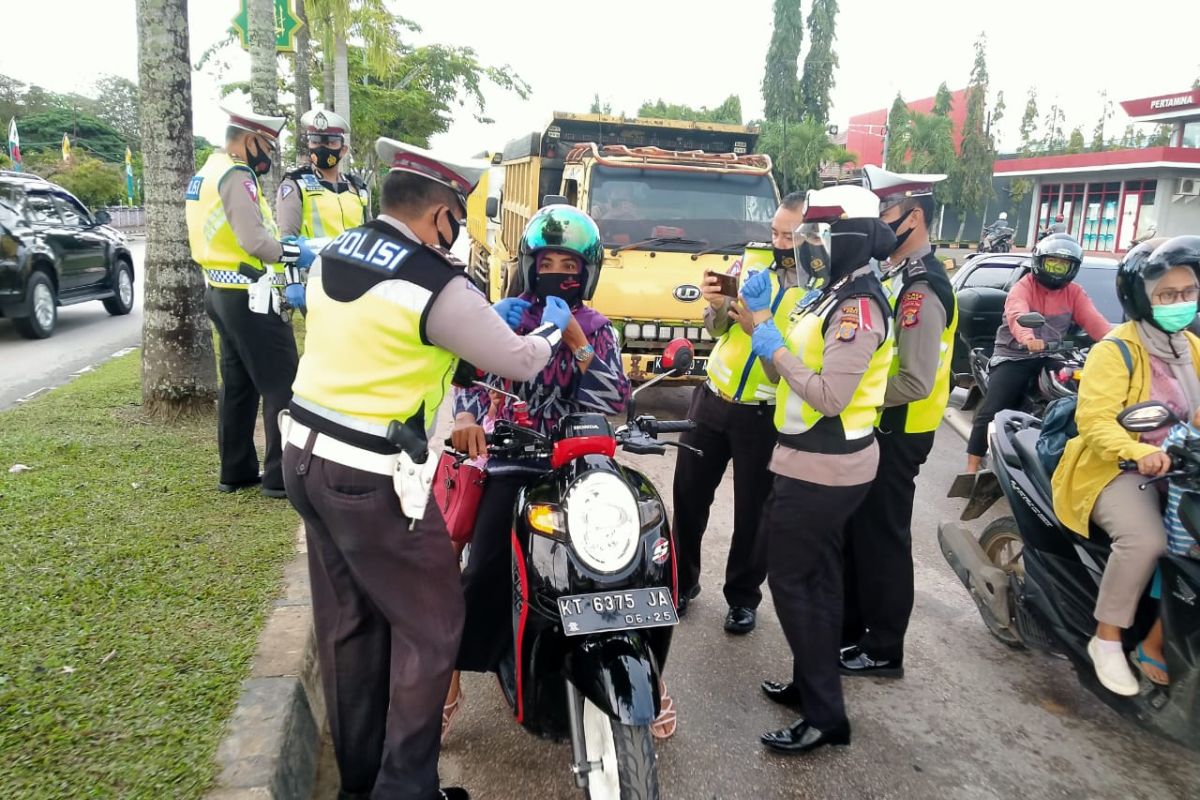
{"points": [[630, 51]]}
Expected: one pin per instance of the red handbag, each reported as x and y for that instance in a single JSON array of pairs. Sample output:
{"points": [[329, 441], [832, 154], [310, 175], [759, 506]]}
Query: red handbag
{"points": [[457, 490]]}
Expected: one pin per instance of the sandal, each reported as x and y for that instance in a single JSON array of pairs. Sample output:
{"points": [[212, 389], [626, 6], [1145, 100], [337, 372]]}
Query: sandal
{"points": [[664, 724], [1140, 659], [449, 712]]}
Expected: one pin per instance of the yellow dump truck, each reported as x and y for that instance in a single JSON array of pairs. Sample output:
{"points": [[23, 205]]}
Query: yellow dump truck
{"points": [[672, 199]]}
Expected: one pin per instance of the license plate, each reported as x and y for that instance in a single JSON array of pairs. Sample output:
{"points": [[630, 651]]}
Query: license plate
{"points": [[699, 366], [616, 611]]}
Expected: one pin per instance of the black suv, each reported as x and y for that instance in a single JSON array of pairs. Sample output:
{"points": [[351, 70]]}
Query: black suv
{"points": [[54, 252]]}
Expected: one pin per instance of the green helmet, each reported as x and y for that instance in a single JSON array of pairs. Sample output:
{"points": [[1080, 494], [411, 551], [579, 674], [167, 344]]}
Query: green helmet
{"points": [[564, 228]]}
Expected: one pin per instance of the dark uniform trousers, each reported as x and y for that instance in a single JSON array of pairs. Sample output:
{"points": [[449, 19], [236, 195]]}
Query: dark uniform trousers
{"points": [[388, 613], [745, 434], [879, 565], [804, 527], [258, 358]]}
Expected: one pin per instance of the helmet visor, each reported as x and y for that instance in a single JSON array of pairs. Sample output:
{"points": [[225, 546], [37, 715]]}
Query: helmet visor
{"points": [[812, 243], [1057, 266]]}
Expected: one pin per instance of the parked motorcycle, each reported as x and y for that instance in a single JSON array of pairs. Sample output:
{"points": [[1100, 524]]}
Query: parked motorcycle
{"points": [[1035, 582], [997, 240], [595, 591]]}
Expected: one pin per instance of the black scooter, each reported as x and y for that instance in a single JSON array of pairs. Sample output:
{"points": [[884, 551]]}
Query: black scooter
{"points": [[1035, 581], [594, 590]]}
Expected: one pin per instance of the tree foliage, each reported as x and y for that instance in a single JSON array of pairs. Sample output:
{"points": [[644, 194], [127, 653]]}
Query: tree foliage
{"points": [[118, 103], [730, 111], [797, 165], [1075, 143], [780, 87], [44, 132], [817, 81], [90, 179], [943, 103], [897, 125], [1106, 113], [971, 178], [598, 107]]}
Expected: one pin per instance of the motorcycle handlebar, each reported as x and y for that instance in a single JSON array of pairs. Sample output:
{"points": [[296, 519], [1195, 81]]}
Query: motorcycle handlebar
{"points": [[674, 426]]}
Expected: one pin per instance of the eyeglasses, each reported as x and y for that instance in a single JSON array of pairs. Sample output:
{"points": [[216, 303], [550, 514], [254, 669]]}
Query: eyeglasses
{"points": [[318, 139], [1056, 266], [1167, 297]]}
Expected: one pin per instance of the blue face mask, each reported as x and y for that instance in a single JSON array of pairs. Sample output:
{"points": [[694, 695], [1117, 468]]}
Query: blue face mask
{"points": [[1174, 317]]}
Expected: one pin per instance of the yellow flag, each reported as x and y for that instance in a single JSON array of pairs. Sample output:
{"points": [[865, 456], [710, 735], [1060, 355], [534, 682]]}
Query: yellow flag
{"points": [[66, 148], [128, 158]]}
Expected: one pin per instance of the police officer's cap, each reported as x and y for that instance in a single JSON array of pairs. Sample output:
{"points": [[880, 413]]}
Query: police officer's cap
{"points": [[840, 202], [261, 124], [321, 121], [459, 175], [892, 187]]}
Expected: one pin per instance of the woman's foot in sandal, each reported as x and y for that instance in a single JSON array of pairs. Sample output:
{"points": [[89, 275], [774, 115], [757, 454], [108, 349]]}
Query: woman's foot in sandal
{"points": [[665, 723], [1152, 665], [453, 704]]}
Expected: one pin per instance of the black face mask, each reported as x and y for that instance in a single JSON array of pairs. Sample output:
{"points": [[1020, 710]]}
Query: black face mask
{"points": [[258, 161], [454, 229], [857, 241], [325, 157], [901, 238], [785, 258], [557, 284]]}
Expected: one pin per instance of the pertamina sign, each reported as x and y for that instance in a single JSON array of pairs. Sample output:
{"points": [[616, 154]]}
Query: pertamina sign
{"points": [[1173, 102], [1177, 104]]}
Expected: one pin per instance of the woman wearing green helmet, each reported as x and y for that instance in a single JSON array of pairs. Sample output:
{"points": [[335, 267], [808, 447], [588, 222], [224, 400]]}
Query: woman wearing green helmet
{"points": [[560, 256]]}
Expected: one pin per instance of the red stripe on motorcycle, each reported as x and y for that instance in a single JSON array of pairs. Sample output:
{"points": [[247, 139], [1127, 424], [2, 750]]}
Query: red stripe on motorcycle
{"points": [[518, 653]]}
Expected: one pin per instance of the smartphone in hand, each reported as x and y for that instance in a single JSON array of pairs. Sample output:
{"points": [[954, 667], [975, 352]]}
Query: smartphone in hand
{"points": [[729, 283]]}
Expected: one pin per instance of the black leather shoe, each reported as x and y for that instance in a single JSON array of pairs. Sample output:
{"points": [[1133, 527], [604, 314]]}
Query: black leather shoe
{"points": [[740, 620], [453, 793], [854, 661], [277, 494], [801, 737], [229, 488], [785, 694], [685, 598]]}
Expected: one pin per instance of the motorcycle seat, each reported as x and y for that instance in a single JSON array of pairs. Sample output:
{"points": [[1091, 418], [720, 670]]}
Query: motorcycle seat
{"points": [[1025, 444]]}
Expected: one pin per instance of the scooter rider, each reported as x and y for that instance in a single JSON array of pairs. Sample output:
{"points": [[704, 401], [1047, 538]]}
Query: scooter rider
{"points": [[833, 365], [319, 200], [878, 553], [734, 415], [390, 314]]}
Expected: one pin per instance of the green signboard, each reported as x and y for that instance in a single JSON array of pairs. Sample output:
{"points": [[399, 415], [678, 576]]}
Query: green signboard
{"points": [[286, 25]]}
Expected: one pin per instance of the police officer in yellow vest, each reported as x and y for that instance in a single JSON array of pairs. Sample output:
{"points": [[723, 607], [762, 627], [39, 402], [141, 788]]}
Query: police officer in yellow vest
{"points": [[390, 314], [832, 361], [879, 568], [734, 415], [247, 269], [318, 200]]}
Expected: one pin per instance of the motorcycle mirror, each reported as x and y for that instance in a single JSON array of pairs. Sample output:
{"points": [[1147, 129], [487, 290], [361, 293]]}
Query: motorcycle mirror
{"points": [[1031, 320], [1148, 416], [677, 357]]}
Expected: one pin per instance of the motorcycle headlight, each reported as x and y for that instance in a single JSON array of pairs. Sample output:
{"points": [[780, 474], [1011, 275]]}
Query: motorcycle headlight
{"points": [[603, 521]]}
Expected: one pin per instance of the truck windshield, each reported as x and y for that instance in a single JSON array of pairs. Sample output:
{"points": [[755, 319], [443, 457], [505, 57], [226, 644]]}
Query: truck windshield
{"points": [[703, 208]]}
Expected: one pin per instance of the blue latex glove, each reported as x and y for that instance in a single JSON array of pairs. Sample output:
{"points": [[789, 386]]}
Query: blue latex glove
{"points": [[307, 254], [557, 313], [766, 339], [294, 292], [511, 309], [757, 291]]}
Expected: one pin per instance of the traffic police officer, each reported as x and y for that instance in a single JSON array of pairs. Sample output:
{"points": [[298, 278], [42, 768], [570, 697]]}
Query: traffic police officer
{"points": [[734, 415], [832, 363], [390, 314], [318, 200], [879, 567], [234, 240]]}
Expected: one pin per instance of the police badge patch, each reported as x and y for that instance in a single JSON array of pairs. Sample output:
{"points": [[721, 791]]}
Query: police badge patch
{"points": [[849, 323], [285, 189], [910, 309]]}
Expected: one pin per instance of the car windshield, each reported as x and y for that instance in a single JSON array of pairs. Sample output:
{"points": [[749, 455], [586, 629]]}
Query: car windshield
{"points": [[708, 208], [1100, 284]]}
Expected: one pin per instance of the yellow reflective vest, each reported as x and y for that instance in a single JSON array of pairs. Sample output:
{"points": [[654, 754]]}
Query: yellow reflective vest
{"points": [[327, 213], [214, 246]]}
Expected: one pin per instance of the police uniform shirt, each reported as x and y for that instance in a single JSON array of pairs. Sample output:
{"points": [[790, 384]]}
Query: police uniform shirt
{"points": [[239, 195], [920, 322], [851, 340], [289, 200]]}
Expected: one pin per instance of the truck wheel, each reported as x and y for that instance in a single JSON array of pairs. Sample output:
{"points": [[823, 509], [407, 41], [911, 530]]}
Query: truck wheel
{"points": [[42, 306], [628, 765]]}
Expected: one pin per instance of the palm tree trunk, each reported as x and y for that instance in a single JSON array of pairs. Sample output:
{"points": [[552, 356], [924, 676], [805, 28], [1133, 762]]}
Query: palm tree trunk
{"points": [[327, 70], [179, 374], [303, 61], [264, 81], [341, 77]]}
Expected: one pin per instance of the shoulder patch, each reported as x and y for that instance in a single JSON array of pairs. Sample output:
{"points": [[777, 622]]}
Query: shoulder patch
{"points": [[251, 188], [193, 188], [445, 255], [736, 269], [311, 183], [910, 309], [848, 325], [286, 188]]}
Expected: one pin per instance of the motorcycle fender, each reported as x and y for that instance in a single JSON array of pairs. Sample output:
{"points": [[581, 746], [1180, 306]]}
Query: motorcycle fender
{"points": [[619, 674]]}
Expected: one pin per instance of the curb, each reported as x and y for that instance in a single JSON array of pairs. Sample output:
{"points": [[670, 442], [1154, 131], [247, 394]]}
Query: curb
{"points": [[272, 740]]}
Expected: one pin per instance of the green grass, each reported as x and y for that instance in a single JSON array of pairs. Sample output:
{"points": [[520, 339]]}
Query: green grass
{"points": [[131, 595]]}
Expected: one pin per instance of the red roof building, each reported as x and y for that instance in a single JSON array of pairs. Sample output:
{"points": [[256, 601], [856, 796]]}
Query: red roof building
{"points": [[864, 134]]}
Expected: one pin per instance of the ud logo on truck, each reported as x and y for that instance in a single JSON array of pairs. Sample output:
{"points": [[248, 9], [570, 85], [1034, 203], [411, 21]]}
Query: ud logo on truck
{"points": [[687, 293]]}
